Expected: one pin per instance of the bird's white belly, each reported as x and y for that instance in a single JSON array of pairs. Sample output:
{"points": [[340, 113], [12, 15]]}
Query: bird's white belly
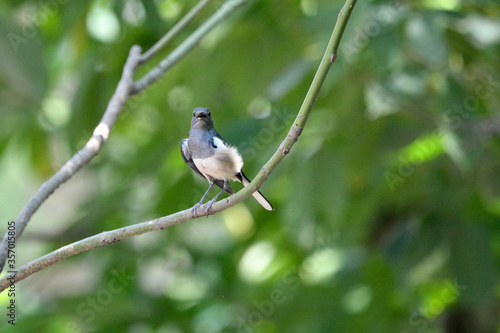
{"points": [[215, 168], [224, 163]]}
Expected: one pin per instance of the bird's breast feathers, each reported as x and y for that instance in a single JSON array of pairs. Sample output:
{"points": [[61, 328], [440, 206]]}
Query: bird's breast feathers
{"points": [[224, 163]]}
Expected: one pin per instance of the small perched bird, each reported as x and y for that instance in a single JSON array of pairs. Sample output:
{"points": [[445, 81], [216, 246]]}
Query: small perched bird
{"points": [[213, 159]]}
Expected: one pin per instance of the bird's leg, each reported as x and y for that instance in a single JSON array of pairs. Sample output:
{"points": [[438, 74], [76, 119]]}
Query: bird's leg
{"points": [[211, 202], [195, 208]]}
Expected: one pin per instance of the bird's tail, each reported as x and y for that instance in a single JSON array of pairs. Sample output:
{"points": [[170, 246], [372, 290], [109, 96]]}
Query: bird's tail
{"points": [[257, 195]]}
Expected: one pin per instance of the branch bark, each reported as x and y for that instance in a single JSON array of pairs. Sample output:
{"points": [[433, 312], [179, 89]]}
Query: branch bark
{"points": [[110, 237]]}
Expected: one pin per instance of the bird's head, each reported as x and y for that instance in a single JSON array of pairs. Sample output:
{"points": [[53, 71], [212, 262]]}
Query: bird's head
{"points": [[202, 118]]}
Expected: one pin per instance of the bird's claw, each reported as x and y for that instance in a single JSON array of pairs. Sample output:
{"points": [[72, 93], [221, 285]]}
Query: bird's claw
{"points": [[195, 209], [209, 205]]}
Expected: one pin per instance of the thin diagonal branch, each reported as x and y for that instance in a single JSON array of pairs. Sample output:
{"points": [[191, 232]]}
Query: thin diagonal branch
{"points": [[327, 61], [190, 43], [175, 30], [110, 237]]}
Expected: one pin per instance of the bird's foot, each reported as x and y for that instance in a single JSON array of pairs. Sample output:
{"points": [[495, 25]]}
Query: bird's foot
{"points": [[209, 205], [195, 209]]}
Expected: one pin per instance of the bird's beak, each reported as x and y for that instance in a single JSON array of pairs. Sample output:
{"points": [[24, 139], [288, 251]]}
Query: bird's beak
{"points": [[201, 116]]}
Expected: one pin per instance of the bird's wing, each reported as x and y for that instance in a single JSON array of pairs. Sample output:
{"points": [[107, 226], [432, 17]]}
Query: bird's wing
{"points": [[217, 141], [186, 156]]}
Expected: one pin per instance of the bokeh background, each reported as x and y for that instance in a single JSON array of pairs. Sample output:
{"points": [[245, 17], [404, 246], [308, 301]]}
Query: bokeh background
{"points": [[387, 208]]}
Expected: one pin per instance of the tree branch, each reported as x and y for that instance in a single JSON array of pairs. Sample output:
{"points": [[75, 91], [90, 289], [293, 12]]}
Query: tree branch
{"points": [[174, 31], [110, 237], [125, 89], [327, 61], [173, 58], [81, 158]]}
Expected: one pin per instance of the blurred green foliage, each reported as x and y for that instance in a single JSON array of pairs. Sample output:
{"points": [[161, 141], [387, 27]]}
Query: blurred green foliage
{"points": [[387, 209]]}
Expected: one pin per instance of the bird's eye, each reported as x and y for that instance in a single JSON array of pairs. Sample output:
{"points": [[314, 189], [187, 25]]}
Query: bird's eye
{"points": [[193, 114]]}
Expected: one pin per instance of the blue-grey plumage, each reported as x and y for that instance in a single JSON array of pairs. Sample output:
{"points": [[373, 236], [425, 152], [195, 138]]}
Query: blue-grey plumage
{"points": [[210, 157]]}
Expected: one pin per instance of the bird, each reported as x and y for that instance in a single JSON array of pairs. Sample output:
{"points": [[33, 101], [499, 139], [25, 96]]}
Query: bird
{"points": [[213, 159]]}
